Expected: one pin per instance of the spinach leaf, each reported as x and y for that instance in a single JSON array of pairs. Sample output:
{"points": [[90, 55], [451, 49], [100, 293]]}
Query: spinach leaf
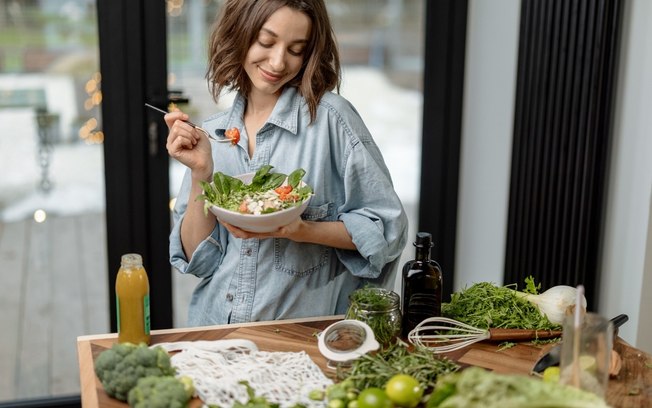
{"points": [[235, 184], [209, 191], [295, 177], [261, 176], [221, 184], [273, 180], [304, 191]]}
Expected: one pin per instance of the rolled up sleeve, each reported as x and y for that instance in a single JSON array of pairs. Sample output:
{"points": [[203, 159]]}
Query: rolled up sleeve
{"points": [[372, 213], [209, 253]]}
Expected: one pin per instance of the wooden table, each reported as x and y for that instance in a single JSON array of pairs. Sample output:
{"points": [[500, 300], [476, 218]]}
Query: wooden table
{"points": [[632, 388]]}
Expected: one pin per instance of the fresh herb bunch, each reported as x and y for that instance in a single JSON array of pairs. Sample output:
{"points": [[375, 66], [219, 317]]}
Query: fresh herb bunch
{"points": [[374, 370], [485, 305], [228, 192], [379, 308]]}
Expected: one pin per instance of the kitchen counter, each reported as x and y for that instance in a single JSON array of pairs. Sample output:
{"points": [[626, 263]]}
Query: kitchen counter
{"points": [[632, 388]]}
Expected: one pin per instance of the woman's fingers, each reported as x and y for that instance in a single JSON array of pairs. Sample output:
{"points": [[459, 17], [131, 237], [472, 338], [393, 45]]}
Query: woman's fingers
{"points": [[185, 144], [185, 130], [182, 135], [240, 233], [176, 122], [172, 117]]}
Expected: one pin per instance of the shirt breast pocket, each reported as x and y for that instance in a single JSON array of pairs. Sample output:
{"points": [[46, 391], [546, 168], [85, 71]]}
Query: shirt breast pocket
{"points": [[301, 259]]}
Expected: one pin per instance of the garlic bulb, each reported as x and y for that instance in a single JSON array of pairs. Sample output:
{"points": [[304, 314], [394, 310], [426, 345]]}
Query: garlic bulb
{"points": [[555, 302]]}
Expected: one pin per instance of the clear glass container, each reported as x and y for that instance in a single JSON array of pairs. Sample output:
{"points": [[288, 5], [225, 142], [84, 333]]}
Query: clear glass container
{"points": [[380, 309]]}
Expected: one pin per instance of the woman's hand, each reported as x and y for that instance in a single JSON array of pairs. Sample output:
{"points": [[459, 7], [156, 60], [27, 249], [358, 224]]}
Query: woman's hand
{"points": [[288, 231], [188, 145], [327, 233]]}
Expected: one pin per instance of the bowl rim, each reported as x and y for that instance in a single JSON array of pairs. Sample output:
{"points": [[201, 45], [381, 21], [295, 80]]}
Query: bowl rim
{"points": [[266, 215]]}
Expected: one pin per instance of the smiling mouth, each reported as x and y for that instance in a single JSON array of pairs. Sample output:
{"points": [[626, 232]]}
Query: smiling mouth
{"points": [[269, 76]]}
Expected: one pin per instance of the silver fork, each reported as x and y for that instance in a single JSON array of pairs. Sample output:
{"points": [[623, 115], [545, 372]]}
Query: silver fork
{"points": [[201, 129]]}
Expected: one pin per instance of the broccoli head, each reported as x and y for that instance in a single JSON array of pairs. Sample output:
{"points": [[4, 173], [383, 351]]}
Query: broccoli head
{"points": [[161, 392], [120, 367]]}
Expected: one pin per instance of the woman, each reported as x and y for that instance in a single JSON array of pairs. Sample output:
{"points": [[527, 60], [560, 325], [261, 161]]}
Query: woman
{"points": [[281, 58]]}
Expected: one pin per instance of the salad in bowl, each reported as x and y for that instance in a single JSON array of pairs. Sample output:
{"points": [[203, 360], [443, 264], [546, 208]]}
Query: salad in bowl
{"points": [[258, 202]]}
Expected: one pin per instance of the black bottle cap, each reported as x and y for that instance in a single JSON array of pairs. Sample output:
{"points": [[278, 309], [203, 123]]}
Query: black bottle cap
{"points": [[424, 240]]}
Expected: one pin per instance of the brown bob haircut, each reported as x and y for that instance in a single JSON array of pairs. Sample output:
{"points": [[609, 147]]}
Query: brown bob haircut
{"points": [[237, 27]]}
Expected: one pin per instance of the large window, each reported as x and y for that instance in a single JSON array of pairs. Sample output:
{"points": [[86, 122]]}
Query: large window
{"points": [[53, 245], [52, 239]]}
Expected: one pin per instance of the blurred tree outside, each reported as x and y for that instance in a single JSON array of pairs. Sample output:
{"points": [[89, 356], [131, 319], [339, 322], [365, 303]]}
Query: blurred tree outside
{"points": [[49, 39]]}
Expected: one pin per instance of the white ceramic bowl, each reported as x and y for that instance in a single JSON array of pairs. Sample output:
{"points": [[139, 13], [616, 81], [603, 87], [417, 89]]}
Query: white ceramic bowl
{"points": [[263, 222]]}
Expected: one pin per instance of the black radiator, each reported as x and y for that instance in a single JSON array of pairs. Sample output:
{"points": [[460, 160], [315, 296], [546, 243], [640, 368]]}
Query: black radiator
{"points": [[567, 58]]}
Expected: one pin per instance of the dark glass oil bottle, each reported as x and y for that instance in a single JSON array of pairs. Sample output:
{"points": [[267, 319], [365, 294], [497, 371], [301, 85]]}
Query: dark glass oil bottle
{"points": [[422, 285]]}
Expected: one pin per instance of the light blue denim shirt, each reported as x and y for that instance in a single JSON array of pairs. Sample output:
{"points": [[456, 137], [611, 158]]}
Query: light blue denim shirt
{"points": [[269, 279]]}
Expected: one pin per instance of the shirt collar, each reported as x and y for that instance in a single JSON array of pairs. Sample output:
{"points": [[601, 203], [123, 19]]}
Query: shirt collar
{"points": [[284, 115], [286, 111]]}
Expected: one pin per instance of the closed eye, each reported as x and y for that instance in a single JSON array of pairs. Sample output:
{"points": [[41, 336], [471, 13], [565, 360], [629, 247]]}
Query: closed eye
{"points": [[297, 52], [296, 48]]}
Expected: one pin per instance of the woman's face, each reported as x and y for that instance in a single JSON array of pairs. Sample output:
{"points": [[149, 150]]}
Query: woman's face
{"points": [[277, 55]]}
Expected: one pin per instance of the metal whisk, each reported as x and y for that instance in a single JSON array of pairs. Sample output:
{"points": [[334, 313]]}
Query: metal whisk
{"points": [[444, 335]]}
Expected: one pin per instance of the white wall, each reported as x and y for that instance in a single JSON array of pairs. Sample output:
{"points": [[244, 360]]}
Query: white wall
{"points": [[644, 334], [487, 121], [630, 180], [492, 40]]}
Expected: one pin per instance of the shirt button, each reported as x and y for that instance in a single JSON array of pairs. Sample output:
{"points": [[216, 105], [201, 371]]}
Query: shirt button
{"points": [[229, 297], [248, 251]]}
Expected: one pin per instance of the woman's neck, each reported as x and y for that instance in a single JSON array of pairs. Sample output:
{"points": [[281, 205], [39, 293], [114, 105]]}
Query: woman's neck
{"points": [[260, 105], [257, 111]]}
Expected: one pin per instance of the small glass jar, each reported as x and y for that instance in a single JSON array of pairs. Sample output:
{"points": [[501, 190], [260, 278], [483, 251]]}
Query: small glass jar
{"points": [[380, 309]]}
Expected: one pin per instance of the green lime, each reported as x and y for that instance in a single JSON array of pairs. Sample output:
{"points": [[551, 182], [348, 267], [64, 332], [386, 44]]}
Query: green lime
{"points": [[404, 390], [374, 397]]}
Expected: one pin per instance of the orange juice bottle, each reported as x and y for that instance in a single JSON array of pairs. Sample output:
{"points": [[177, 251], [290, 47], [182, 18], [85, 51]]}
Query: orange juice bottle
{"points": [[132, 300]]}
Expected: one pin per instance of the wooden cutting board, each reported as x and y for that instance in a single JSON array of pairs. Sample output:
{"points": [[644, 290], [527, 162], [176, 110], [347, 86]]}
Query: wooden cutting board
{"points": [[291, 335], [632, 388], [518, 359]]}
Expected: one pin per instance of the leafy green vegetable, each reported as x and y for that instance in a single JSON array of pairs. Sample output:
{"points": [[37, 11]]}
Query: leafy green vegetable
{"points": [[476, 387], [120, 367], [485, 305], [261, 175], [374, 370], [229, 192], [439, 395], [541, 342], [274, 180], [295, 177], [530, 287]]}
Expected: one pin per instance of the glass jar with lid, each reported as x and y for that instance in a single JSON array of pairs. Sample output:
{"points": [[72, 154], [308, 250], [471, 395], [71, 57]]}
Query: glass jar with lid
{"points": [[380, 309]]}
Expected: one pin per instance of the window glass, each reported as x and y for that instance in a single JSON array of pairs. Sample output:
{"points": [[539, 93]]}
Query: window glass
{"points": [[52, 228]]}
